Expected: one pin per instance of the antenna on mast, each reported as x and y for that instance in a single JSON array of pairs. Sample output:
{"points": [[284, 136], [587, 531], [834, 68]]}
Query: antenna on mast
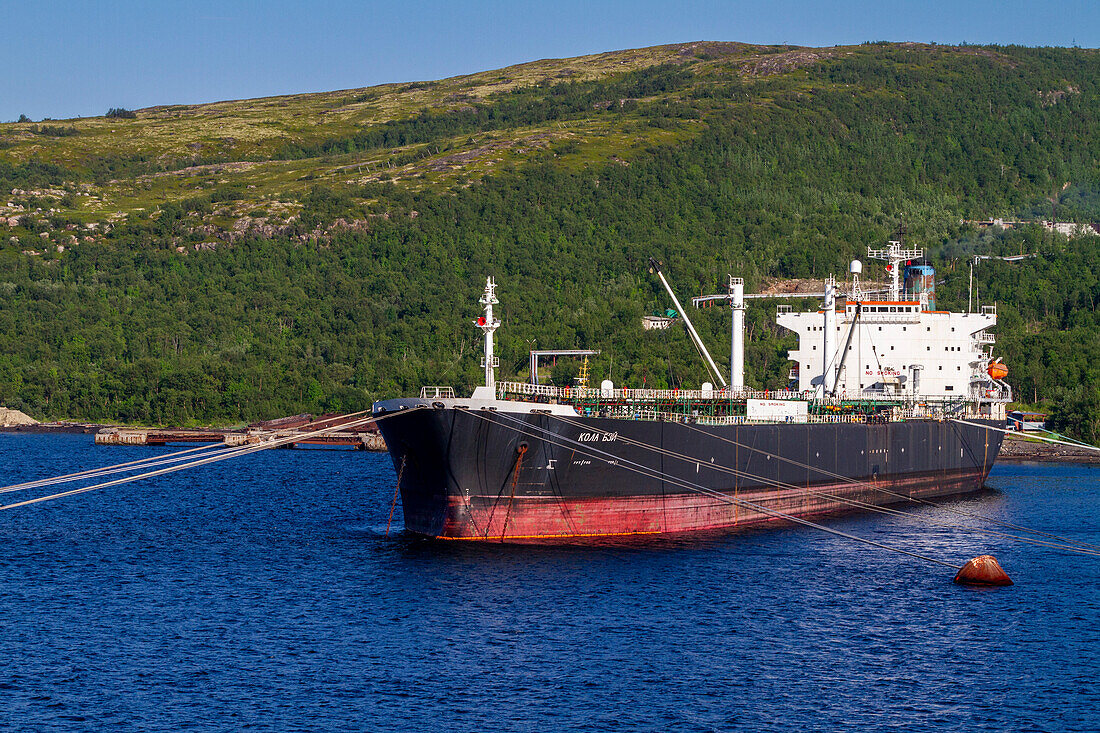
{"points": [[895, 254]]}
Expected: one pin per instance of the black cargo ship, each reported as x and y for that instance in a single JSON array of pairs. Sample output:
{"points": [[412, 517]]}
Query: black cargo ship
{"points": [[521, 462]]}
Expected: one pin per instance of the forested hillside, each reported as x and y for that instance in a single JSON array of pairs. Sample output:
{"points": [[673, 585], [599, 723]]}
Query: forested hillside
{"points": [[338, 256]]}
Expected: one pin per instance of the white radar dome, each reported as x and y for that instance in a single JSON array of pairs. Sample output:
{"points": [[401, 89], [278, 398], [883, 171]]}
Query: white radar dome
{"points": [[607, 388], [856, 267]]}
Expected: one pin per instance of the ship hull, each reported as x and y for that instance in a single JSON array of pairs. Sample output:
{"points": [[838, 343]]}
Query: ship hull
{"points": [[533, 477]]}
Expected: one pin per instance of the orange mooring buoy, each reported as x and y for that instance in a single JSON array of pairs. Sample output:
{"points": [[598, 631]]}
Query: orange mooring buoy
{"points": [[982, 570]]}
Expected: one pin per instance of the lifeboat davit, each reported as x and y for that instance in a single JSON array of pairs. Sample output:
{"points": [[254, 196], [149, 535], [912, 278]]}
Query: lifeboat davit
{"points": [[997, 370]]}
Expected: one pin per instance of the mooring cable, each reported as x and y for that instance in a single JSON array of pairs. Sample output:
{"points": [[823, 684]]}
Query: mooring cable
{"points": [[906, 497], [1066, 546], [216, 458], [915, 500], [232, 453], [117, 468], [656, 474], [1071, 441], [1032, 437]]}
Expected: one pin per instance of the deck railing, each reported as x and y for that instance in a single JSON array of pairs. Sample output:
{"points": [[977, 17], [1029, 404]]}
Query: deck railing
{"points": [[640, 404], [507, 389]]}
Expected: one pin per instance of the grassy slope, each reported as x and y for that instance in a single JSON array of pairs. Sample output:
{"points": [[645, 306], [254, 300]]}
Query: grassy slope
{"points": [[245, 136]]}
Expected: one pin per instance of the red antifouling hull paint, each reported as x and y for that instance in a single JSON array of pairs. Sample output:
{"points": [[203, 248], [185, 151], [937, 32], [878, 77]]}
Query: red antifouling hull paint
{"points": [[531, 477], [542, 519]]}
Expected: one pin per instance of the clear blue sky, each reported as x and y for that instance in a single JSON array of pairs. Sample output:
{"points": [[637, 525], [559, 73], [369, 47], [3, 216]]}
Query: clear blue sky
{"points": [[69, 58]]}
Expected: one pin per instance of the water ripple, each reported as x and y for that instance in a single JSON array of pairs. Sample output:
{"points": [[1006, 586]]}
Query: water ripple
{"points": [[264, 595]]}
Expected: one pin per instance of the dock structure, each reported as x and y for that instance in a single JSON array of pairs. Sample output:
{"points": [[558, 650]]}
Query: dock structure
{"points": [[154, 436], [360, 438]]}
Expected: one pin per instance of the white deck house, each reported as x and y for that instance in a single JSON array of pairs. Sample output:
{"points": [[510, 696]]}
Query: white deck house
{"points": [[898, 346]]}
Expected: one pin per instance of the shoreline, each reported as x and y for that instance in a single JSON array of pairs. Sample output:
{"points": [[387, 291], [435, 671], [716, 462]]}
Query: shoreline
{"points": [[292, 432], [1020, 449], [55, 427]]}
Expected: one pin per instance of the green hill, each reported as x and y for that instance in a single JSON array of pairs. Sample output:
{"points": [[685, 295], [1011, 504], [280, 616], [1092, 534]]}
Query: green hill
{"points": [[247, 259]]}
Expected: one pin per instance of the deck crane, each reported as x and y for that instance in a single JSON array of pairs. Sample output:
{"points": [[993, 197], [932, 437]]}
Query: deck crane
{"points": [[736, 298]]}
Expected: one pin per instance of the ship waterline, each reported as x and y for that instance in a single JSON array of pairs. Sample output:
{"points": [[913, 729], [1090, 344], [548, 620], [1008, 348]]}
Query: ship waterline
{"points": [[536, 477]]}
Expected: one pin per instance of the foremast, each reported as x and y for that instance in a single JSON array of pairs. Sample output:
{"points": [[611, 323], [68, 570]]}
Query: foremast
{"points": [[488, 325]]}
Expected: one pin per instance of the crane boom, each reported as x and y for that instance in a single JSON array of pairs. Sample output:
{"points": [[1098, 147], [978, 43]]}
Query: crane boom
{"points": [[687, 322]]}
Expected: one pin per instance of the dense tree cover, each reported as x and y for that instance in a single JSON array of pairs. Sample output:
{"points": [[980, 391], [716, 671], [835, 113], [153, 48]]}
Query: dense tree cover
{"points": [[1048, 318], [792, 176], [1077, 412], [31, 175]]}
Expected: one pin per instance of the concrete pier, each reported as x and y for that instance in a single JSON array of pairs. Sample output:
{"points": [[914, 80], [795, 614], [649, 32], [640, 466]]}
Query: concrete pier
{"points": [[233, 438]]}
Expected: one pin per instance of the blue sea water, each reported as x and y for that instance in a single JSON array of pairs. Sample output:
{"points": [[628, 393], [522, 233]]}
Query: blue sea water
{"points": [[262, 594]]}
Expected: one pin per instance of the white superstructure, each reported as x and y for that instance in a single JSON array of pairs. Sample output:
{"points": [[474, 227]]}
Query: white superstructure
{"points": [[898, 347]]}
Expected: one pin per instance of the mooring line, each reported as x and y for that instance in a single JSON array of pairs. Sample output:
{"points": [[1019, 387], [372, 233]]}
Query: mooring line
{"points": [[396, 492], [1032, 437], [915, 500], [521, 449], [653, 473], [1072, 441], [1067, 545], [106, 470], [216, 458]]}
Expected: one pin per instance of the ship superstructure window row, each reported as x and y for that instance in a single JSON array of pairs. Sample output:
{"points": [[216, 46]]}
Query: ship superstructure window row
{"points": [[864, 330]]}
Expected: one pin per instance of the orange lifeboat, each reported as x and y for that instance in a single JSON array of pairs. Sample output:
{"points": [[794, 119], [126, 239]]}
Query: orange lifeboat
{"points": [[997, 370]]}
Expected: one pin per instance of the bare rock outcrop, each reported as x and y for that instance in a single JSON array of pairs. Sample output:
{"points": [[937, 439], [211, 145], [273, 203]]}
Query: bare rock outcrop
{"points": [[11, 418]]}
